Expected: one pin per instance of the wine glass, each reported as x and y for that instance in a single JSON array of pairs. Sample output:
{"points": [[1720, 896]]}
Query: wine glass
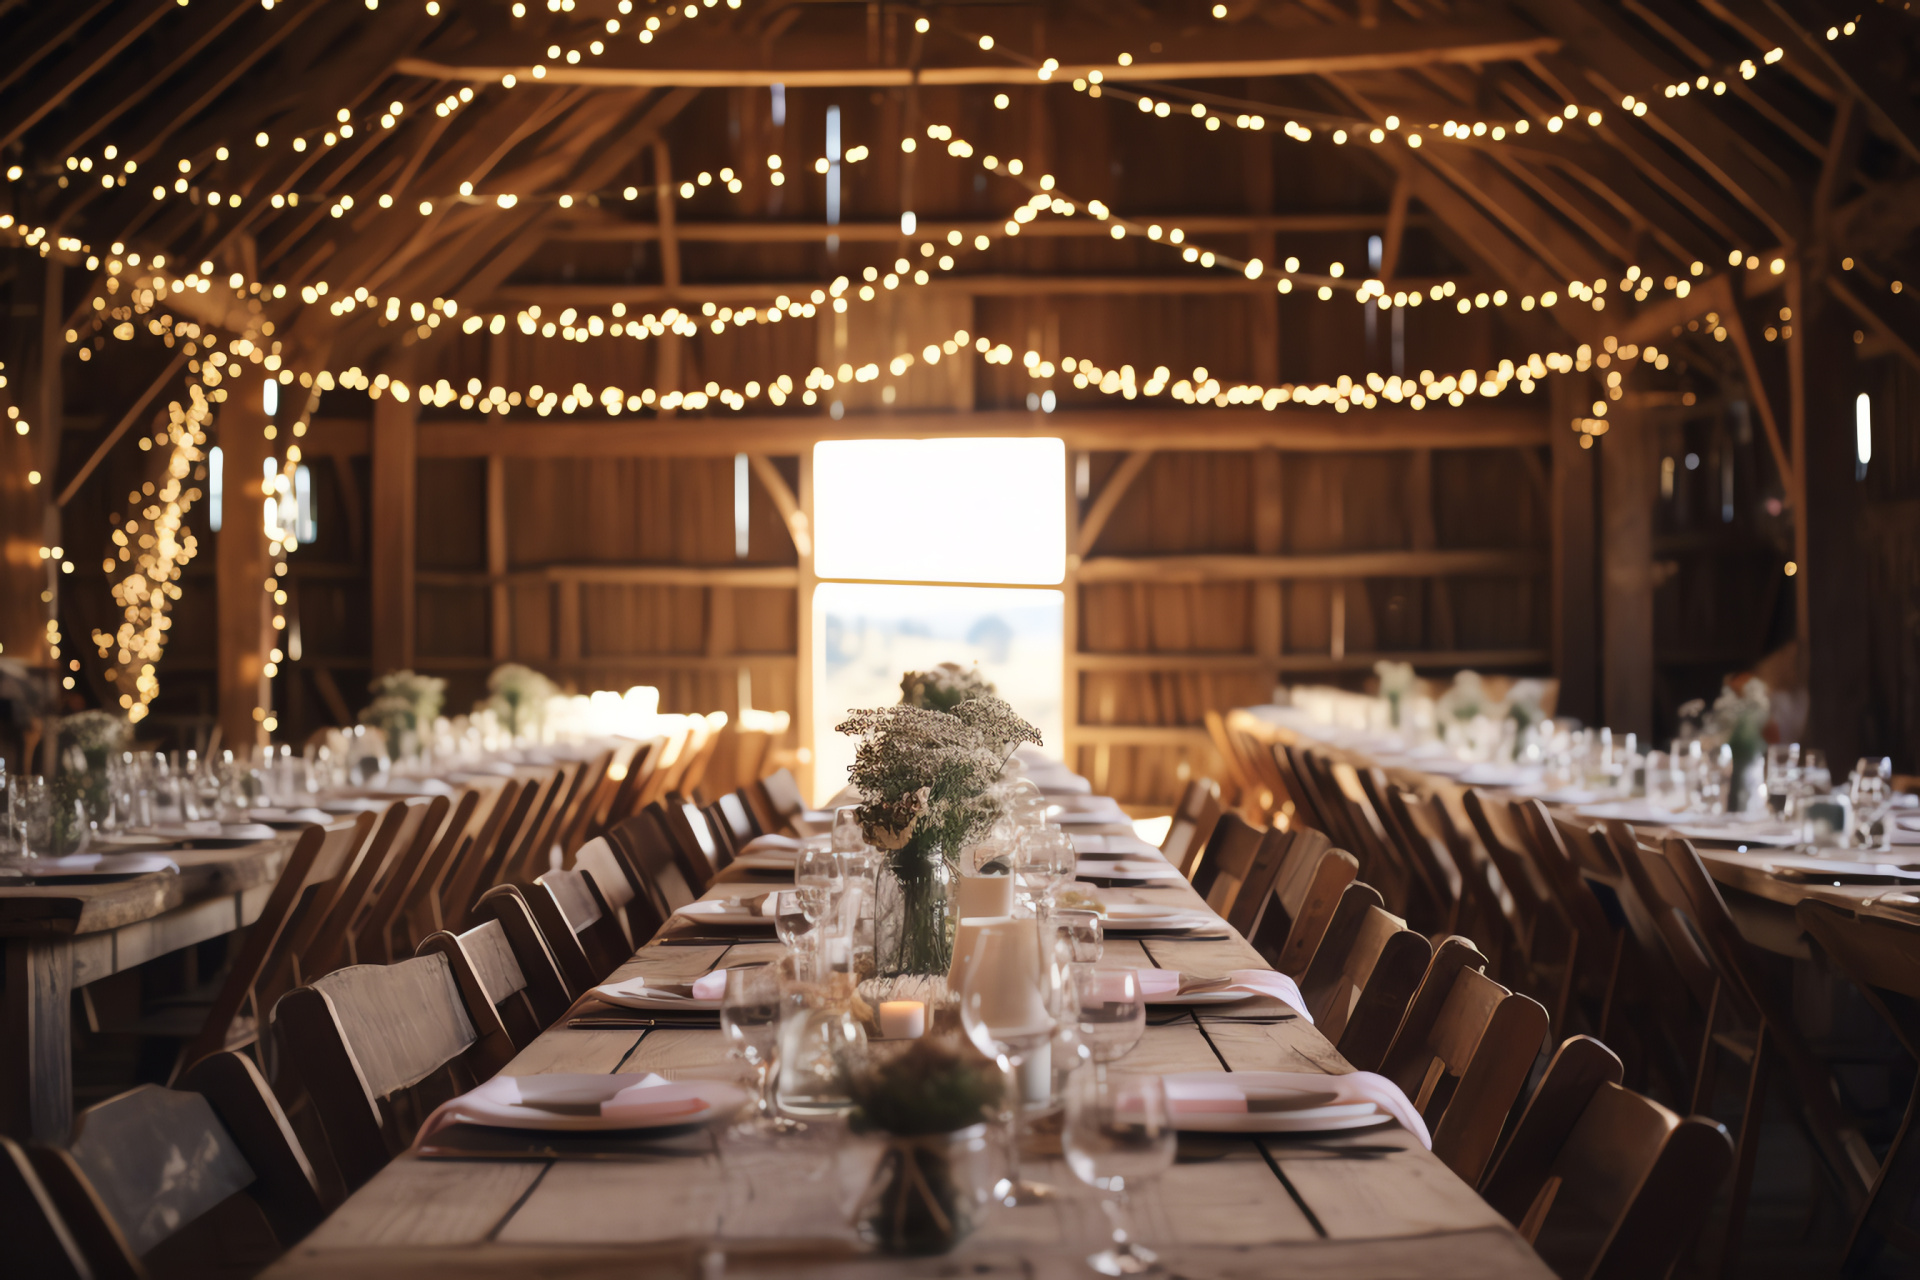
{"points": [[1047, 862], [1006, 1011], [750, 1021], [848, 835], [1112, 1013], [1118, 1138], [790, 923]]}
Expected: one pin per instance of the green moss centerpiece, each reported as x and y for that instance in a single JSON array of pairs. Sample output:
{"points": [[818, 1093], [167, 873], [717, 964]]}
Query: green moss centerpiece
{"points": [[934, 1180]]}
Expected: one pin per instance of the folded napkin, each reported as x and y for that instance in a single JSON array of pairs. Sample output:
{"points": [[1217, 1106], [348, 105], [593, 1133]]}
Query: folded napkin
{"points": [[758, 904], [565, 1101], [104, 864], [1107, 869], [1198, 1093], [636, 993], [1165, 984], [1129, 846], [772, 844]]}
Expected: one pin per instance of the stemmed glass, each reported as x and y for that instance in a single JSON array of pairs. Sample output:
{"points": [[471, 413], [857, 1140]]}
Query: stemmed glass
{"points": [[818, 883], [1047, 862], [1112, 1013], [1080, 932], [1118, 1139], [750, 1021], [790, 922], [1007, 1007]]}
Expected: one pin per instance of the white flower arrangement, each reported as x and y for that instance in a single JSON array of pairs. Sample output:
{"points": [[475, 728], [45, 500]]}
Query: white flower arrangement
{"points": [[926, 776], [403, 702], [944, 687], [1737, 716], [519, 696]]}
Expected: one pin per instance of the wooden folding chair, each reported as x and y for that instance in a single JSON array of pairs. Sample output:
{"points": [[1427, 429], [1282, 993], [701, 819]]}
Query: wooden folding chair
{"points": [[377, 1047], [1288, 922], [1604, 1183], [621, 886], [1463, 1053], [331, 945], [782, 791], [1774, 1039], [760, 805], [732, 822], [589, 789], [1382, 865], [579, 928], [316, 858], [531, 853], [524, 986], [625, 800], [206, 1179], [486, 865], [1241, 789], [700, 854], [39, 1241], [1881, 958], [645, 850], [1192, 825], [706, 742], [1226, 860], [1363, 977], [1290, 776], [418, 914], [1433, 903], [369, 940], [1596, 960], [1550, 941], [461, 884]]}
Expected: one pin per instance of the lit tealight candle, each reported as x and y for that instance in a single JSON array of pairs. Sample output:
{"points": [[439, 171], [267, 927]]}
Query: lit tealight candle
{"points": [[903, 1019]]}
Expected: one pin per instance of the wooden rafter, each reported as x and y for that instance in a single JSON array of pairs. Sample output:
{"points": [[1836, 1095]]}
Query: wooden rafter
{"points": [[1109, 500]]}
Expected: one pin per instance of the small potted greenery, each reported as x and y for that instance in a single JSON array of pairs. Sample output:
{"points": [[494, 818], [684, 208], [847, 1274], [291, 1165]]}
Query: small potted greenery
{"points": [[930, 1102]]}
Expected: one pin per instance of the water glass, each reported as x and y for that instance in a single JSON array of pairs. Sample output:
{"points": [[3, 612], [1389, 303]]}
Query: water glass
{"points": [[1080, 934], [750, 1020], [1047, 863], [1118, 1138], [29, 816], [1871, 789], [1112, 1013], [790, 922]]}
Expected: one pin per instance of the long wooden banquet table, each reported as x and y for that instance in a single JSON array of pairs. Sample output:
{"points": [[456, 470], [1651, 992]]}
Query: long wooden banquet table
{"points": [[1760, 884], [60, 937], [1372, 1203]]}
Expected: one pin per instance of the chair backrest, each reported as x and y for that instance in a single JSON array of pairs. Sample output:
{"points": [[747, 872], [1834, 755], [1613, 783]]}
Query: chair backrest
{"points": [[1602, 1181], [1309, 807], [1241, 904], [377, 1047], [1241, 786], [1364, 976], [701, 856], [783, 791], [547, 987], [731, 820], [1381, 862], [209, 1176], [616, 883], [766, 818], [1293, 916], [1226, 860], [460, 886], [370, 939], [487, 864], [531, 853], [1462, 1057], [706, 743], [39, 1242], [315, 858], [1424, 843], [580, 930], [589, 789], [625, 800], [1192, 825], [419, 912], [487, 965], [332, 944], [646, 850]]}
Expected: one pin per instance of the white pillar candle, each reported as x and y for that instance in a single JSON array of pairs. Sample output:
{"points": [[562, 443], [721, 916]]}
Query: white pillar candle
{"points": [[903, 1019], [1036, 1076], [984, 896]]}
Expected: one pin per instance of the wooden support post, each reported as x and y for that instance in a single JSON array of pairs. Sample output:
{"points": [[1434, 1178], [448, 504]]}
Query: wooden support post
{"points": [[1629, 486], [1268, 534], [667, 372], [500, 607], [805, 660], [1797, 482], [1575, 620], [242, 564], [395, 424]]}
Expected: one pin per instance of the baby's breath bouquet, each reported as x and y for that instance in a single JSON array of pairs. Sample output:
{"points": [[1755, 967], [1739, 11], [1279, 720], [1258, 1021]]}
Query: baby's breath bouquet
{"points": [[944, 687], [518, 696], [925, 780], [404, 703]]}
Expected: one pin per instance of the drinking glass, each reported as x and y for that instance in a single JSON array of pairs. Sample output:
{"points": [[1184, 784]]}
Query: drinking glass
{"points": [[1783, 775], [1080, 933], [1010, 1046], [1814, 771], [848, 836], [750, 1021], [30, 815], [1047, 862], [1871, 789], [1112, 1013], [790, 922], [1118, 1138]]}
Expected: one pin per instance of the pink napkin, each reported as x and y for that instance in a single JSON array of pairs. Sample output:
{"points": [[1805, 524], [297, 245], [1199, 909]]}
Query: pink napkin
{"points": [[1163, 984], [577, 1102], [1198, 1093]]}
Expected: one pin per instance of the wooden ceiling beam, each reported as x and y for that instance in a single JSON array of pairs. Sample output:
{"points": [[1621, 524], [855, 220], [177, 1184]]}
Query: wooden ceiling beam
{"points": [[1288, 428], [1711, 54], [48, 91], [1208, 54], [42, 36], [1889, 106], [611, 229], [1614, 62]]}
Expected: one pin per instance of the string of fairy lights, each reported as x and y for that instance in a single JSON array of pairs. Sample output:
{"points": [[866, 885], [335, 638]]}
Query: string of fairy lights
{"points": [[153, 546]]}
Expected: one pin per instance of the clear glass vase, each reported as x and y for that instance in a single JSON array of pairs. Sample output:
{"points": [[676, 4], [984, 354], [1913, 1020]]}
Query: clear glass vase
{"points": [[913, 913]]}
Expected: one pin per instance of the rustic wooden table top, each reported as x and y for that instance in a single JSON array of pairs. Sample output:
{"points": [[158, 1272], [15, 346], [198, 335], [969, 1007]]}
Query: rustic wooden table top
{"points": [[1305, 1206], [44, 910]]}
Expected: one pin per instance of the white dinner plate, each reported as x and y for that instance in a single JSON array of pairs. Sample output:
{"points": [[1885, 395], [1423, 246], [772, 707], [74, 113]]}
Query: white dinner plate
{"points": [[588, 1102], [1203, 997], [207, 836], [1124, 916], [721, 911], [1294, 1109], [634, 993]]}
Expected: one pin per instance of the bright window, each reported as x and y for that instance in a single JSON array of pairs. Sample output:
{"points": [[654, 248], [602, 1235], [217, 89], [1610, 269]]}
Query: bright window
{"points": [[941, 510], [896, 514]]}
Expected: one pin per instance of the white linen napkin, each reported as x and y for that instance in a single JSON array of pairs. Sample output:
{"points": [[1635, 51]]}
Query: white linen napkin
{"points": [[571, 1101], [771, 844], [634, 993], [1162, 984], [1199, 1092]]}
